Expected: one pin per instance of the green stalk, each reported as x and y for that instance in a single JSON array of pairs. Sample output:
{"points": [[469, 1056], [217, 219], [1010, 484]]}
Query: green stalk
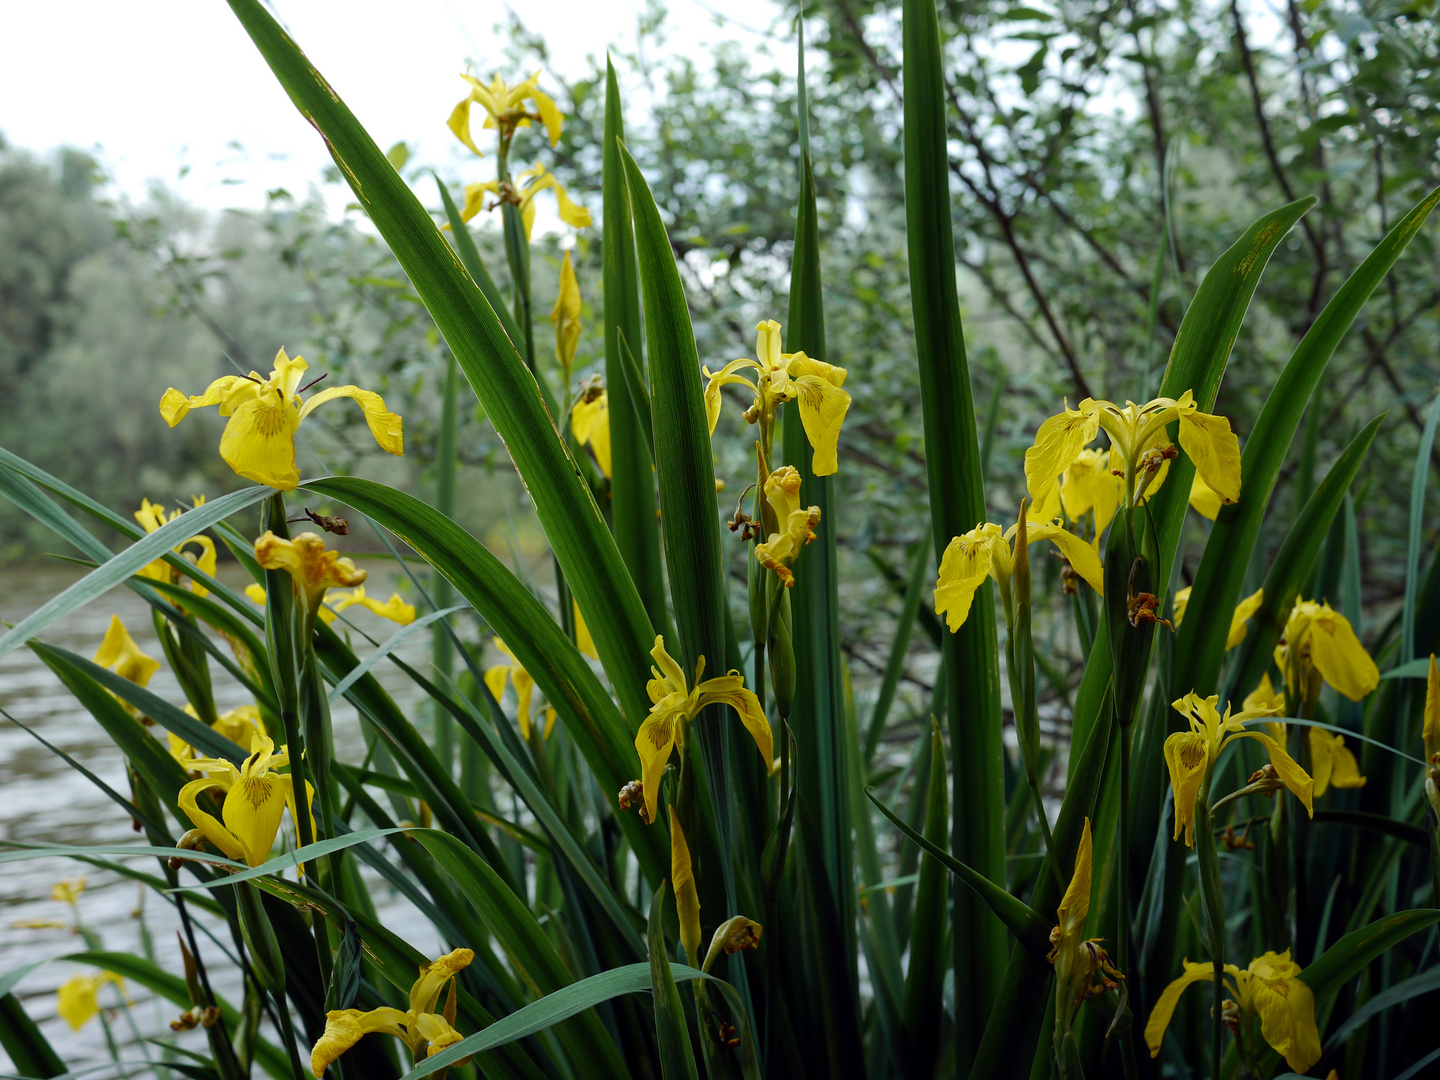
{"points": [[1213, 897], [446, 467]]}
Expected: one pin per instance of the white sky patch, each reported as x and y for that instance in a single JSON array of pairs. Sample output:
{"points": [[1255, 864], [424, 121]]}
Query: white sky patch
{"points": [[174, 90]]}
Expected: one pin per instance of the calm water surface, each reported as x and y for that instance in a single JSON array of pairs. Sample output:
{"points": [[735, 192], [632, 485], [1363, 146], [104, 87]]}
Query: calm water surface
{"points": [[43, 800]]}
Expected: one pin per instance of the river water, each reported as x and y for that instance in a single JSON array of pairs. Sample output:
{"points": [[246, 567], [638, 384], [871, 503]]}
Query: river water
{"points": [[42, 799]]}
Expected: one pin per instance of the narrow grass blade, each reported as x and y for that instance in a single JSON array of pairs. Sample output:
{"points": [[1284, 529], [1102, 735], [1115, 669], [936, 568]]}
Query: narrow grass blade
{"points": [[899, 648], [957, 504], [389, 645], [505, 386], [30, 1052], [677, 1057], [1418, 486], [924, 982]]}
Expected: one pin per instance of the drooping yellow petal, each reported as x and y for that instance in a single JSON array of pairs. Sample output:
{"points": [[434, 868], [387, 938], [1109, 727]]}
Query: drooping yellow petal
{"points": [[1186, 758], [964, 566], [78, 998], [724, 377], [475, 198], [1165, 1007], [119, 652], [1203, 500], [259, 442], [583, 641], [1243, 610], [747, 707], [459, 123], [1334, 764], [174, 405], [590, 421], [670, 669], [549, 112], [687, 897], [566, 316], [425, 994], [822, 412], [252, 812], [1058, 443], [344, 1028], [395, 609], [1208, 441], [1286, 1006], [1088, 485], [653, 742], [209, 825], [1078, 552], [571, 213], [386, 426], [1291, 774], [1339, 657], [311, 567], [1264, 696]]}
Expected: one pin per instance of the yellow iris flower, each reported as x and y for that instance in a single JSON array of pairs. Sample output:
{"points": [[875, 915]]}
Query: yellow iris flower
{"points": [[259, 440], [1334, 764], [495, 679], [312, 569], [119, 652], [780, 377], [395, 609], [1243, 610], [1134, 430], [566, 317], [505, 109], [255, 797], [521, 192], [240, 726], [68, 891], [590, 421], [687, 898], [78, 998], [1269, 987], [797, 524], [674, 703], [985, 551], [1086, 485], [1319, 643], [151, 516], [1078, 961], [1191, 755], [420, 1027]]}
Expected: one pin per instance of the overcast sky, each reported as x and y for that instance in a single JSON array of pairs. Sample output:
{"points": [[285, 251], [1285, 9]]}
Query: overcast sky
{"points": [[152, 86]]}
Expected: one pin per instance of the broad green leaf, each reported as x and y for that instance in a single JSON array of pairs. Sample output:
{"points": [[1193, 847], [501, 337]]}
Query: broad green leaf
{"points": [[1416, 669], [526, 944], [589, 715], [677, 1057], [505, 386], [1345, 959], [137, 556], [1427, 982], [632, 476], [1200, 643], [30, 1052], [957, 505], [475, 267]]}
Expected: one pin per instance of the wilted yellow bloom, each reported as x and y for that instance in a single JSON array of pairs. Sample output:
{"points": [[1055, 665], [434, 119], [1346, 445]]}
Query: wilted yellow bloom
{"points": [[1431, 731], [674, 704], [395, 609], [312, 569], [505, 109], [590, 421], [733, 935], [79, 997], [687, 897], [1243, 611], [796, 524], [1269, 987], [524, 687], [1319, 641], [425, 1031], [985, 551], [1134, 431], [1078, 961], [815, 385], [259, 440], [255, 798], [1191, 755], [119, 652], [1333, 762], [566, 317], [521, 193], [151, 516], [239, 725]]}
